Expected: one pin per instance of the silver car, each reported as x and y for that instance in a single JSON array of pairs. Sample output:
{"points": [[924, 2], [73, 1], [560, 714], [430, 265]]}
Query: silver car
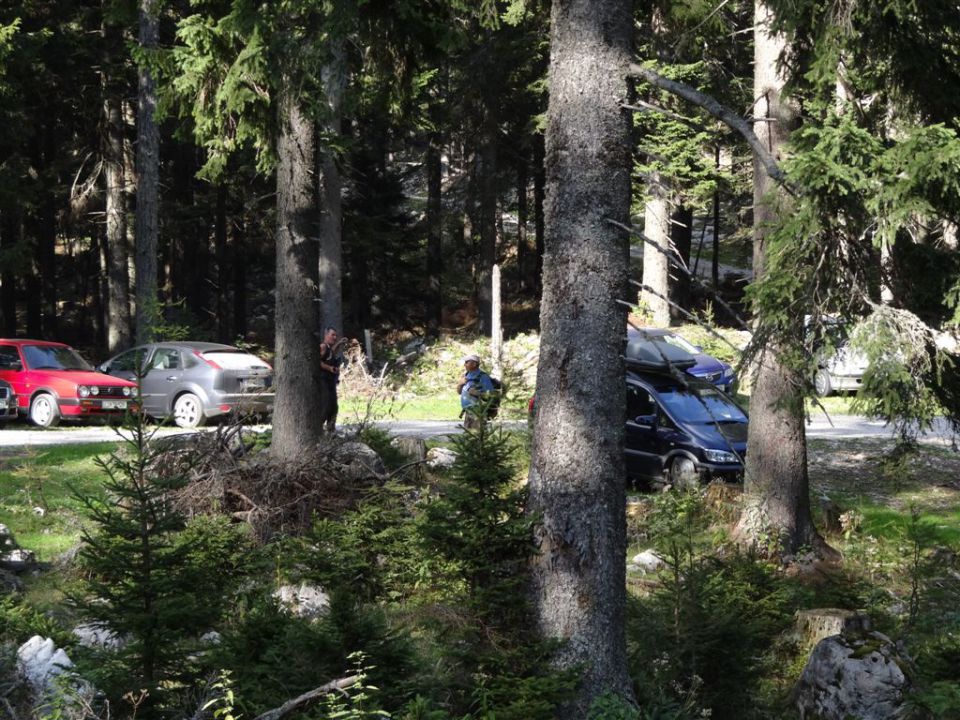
{"points": [[194, 381]]}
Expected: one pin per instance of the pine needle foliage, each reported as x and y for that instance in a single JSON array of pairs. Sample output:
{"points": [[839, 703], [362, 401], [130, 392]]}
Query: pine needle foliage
{"points": [[155, 581]]}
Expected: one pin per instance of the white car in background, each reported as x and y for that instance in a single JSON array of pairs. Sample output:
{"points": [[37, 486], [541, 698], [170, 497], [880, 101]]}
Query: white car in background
{"points": [[841, 368], [192, 382]]}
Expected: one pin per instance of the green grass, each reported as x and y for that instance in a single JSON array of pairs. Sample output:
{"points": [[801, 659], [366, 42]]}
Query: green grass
{"points": [[47, 478], [444, 406]]}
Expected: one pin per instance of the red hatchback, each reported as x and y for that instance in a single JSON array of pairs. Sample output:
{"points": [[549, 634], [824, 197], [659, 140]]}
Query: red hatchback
{"points": [[52, 381]]}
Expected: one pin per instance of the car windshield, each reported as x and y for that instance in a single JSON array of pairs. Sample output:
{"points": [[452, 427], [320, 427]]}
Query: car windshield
{"points": [[705, 406], [234, 360], [54, 357], [679, 342]]}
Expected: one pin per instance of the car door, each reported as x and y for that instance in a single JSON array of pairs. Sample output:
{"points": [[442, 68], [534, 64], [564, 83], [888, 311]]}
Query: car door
{"points": [[164, 373], [11, 370], [640, 434]]}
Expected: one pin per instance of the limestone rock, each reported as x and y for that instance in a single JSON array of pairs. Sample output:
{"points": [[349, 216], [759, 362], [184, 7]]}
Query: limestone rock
{"points": [[358, 460], [441, 457], [853, 677], [305, 601], [40, 662], [647, 562], [98, 635]]}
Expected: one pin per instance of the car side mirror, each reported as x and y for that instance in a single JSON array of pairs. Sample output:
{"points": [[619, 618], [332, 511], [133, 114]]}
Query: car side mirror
{"points": [[103, 368], [646, 420]]}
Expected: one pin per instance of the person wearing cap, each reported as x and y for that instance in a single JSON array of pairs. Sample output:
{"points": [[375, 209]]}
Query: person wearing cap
{"points": [[473, 387]]}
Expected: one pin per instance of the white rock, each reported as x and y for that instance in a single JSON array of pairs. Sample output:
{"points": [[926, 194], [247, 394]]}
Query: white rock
{"points": [[647, 562], [98, 635], [40, 661], [440, 457], [305, 601]]}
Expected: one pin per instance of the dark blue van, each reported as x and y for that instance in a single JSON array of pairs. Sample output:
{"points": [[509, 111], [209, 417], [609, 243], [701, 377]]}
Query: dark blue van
{"points": [[681, 429]]}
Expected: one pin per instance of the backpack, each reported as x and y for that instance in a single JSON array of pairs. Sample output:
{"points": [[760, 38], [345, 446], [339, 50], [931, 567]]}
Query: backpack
{"points": [[493, 408]]}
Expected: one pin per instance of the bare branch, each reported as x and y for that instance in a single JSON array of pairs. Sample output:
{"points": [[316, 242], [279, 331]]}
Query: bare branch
{"points": [[308, 697], [719, 111]]}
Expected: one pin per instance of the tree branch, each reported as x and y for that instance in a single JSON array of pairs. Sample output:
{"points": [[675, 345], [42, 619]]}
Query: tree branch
{"points": [[308, 697], [720, 112]]}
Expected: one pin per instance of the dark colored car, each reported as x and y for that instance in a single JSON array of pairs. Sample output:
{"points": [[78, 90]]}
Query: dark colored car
{"points": [[194, 381], [684, 430], [658, 344], [52, 381], [8, 402]]}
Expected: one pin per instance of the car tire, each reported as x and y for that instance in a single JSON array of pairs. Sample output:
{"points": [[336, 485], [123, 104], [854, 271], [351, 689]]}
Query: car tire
{"points": [[188, 411], [44, 411], [821, 383], [684, 474]]}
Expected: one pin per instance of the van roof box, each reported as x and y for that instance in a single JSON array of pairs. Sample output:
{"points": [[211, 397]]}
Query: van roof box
{"points": [[642, 354]]}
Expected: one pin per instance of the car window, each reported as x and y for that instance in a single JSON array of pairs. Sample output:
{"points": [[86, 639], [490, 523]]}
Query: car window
{"points": [[639, 402], [9, 357], [705, 406], [53, 357], [232, 360], [166, 359], [128, 361]]}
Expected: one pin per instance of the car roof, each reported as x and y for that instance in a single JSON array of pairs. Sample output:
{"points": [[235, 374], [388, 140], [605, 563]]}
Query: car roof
{"points": [[642, 352], [201, 346], [25, 341]]}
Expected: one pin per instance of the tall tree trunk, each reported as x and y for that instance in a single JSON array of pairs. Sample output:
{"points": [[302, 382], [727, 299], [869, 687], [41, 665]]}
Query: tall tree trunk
{"points": [[434, 235], [487, 179], [776, 486], [577, 471], [220, 257], [331, 202], [656, 258], [9, 238], [523, 251], [715, 257], [238, 263], [148, 178], [117, 276], [681, 239], [296, 414]]}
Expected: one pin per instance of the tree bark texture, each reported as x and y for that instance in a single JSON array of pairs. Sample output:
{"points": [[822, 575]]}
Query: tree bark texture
{"points": [[296, 414], [776, 487], [434, 219], [577, 471], [331, 202], [681, 240], [118, 279], [148, 179], [656, 263]]}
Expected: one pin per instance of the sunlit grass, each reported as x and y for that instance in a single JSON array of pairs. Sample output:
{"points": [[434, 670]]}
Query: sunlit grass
{"points": [[39, 494]]}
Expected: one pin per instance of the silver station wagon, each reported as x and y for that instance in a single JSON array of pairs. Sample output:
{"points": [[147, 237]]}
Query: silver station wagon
{"points": [[192, 382]]}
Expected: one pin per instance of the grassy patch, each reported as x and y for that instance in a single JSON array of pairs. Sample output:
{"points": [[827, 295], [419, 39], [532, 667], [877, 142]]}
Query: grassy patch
{"points": [[37, 489]]}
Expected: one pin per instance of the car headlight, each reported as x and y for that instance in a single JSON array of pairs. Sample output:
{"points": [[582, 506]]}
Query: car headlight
{"points": [[94, 390], [126, 392], [721, 456], [83, 391], [727, 373]]}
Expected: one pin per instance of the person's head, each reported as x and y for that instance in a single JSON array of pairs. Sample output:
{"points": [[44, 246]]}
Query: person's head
{"points": [[471, 363], [330, 336]]}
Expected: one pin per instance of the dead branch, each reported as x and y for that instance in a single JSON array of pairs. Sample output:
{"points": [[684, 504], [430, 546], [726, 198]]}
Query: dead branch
{"points": [[307, 698], [722, 113]]}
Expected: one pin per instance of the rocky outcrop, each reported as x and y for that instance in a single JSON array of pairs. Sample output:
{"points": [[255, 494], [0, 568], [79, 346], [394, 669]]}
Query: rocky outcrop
{"points": [[304, 601], [853, 672], [13, 558]]}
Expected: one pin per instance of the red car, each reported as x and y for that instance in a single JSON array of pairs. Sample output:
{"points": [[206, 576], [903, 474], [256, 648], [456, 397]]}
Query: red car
{"points": [[52, 381]]}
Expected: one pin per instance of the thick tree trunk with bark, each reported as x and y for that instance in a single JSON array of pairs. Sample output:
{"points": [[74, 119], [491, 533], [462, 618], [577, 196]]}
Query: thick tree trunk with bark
{"points": [[776, 486], [331, 202], [118, 279], [148, 179], [577, 471], [434, 222], [296, 414], [681, 240], [656, 261]]}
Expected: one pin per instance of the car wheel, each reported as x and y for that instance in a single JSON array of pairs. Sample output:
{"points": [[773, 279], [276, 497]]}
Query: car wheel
{"points": [[188, 411], [683, 474], [822, 384], [44, 411]]}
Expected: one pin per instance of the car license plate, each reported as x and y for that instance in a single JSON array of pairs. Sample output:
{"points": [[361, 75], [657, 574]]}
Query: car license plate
{"points": [[113, 404], [253, 384]]}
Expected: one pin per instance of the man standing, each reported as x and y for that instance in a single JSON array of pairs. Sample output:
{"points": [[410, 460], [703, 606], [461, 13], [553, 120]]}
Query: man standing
{"points": [[475, 386], [329, 377]]}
